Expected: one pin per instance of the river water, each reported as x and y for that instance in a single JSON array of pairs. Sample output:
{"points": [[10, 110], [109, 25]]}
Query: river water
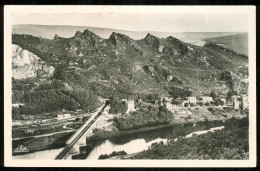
{"points": [[46, 154], [132, 143], [140, 141]]}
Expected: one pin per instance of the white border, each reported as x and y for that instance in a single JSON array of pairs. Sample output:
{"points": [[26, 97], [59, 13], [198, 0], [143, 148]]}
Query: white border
{"points": [[250, 10]]}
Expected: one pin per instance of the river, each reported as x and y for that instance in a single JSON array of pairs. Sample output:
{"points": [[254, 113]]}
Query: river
{"points": [[140, 141], [46, 154], [131, 143]]}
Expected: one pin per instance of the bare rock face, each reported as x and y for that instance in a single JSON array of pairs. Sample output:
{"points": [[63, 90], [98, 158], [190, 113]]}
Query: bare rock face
{"points": [[25, 64]]}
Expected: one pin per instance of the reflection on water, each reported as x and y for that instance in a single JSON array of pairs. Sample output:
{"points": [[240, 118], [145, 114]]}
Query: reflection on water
{"points": [[204, 132], [46, 154], [134, 146], [131, 143], [140, 141]]}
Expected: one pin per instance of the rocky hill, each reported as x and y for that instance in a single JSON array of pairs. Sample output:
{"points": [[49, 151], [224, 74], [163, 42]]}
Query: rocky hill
{"points": [[48, 31], [25, 64], [235, 42], [124, 66]]}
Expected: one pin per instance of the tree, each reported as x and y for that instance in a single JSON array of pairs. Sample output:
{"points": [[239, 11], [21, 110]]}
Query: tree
{"points": [[213, 94], [192, 105], [217, 102], [206, 104], [176, 102], [186, 104], [231, 93]]}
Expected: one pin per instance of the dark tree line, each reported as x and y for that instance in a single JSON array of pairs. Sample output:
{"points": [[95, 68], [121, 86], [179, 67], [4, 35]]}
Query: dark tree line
{"points": [[176, 92], [114, 153], [229, 143], [147, 116]]}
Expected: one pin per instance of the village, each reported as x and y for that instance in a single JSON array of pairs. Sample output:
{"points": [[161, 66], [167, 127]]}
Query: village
{"points": [[237, 102], [187, 109]]}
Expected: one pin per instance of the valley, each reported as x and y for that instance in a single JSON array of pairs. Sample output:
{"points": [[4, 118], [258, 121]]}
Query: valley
{"points": [[148, 82]]}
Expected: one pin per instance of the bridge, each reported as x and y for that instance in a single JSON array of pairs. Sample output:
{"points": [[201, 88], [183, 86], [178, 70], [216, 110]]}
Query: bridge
{"points": [[75, 138]]}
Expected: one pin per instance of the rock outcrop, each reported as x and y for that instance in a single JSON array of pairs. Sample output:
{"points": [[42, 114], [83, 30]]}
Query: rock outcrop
{"points": [[26, 64]]}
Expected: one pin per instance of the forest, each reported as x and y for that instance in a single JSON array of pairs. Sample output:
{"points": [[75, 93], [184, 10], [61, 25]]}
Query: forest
{"points": [[176, 92], [50, 97], [228, 143], [146, 116], [114, 153]]}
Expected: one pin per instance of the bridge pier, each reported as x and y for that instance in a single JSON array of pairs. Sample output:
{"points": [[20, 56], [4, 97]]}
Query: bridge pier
{"points": [[74, 143], [74, 149], [82, 142], [68, 157]]}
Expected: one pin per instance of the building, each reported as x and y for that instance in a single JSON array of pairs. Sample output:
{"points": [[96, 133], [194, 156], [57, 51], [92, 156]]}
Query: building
{"points": [[223, 100], [17, 105], [63, 116], [27, 117], [165, 99], [170, 106], [205, 99], [235, 98], [184, 103], [78, 110], [192, 100], [124, 100], [130, 105], [156, 103], [236, 104], [240, 101], [245, 103]]}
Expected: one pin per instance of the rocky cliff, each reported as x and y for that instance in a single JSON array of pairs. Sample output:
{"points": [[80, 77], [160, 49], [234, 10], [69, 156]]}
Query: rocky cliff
{"points": [[26, 64], [147, 66]]}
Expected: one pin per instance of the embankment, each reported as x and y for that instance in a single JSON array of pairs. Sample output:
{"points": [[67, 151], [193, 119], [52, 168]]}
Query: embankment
{"points": [[42, 143]]}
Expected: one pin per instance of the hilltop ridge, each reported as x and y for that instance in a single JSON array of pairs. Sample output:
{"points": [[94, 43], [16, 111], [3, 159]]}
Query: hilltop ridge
{"points": [[123, 66]]}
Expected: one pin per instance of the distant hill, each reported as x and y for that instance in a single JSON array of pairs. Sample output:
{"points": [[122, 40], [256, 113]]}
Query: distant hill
{"points": [[148, 62], [235, 42], [70, 73], [48, 31]]}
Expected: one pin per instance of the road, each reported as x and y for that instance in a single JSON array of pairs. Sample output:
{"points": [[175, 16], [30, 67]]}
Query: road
{"points": [[44, 135], [63, 153]]}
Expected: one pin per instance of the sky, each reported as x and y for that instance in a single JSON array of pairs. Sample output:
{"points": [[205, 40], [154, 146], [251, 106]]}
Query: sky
{"points": [[163, 22]]}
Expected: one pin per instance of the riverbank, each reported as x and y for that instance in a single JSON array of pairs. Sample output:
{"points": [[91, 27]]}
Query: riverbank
{"points": [[137, 142], [230, 143], [58, 140], [181, 116], [34, 144], [144, 129]]}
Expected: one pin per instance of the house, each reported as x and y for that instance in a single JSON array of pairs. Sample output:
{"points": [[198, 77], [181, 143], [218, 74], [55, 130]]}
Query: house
{"points": [[236, 104], [130, 105], [165, 99], [17, 105], [192, 100], [245, 103], [27, 117], [63, 116], [238, 101], [78, 110], [235, 98], [124, 100], [205, 99], [156, 103], [184, 103], [170, 106], [44, 121], [223, 100]]}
